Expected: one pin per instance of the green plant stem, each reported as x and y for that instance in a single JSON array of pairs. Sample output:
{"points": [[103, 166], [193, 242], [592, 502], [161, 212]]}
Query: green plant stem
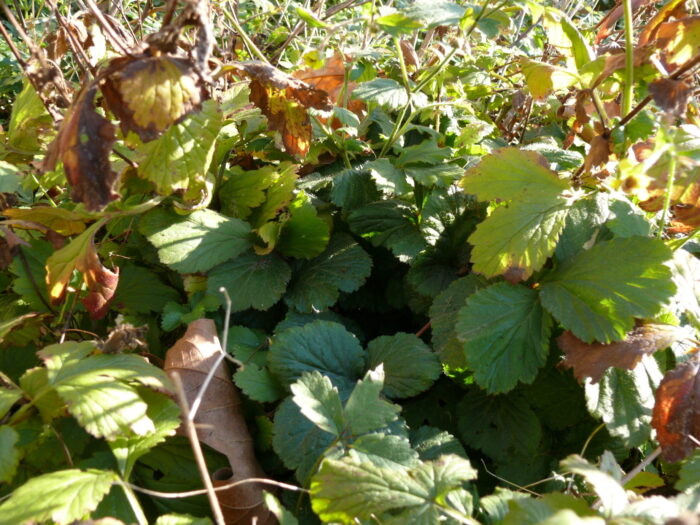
{"points": [[669, 191], [252, 48], [628, 94], [402, 63], [134, 503]]}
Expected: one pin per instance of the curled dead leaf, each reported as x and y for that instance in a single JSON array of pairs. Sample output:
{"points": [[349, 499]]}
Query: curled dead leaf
{"points": [[599, 152], [101, 283], [410, 57], [671, 96], [592, 360], [219, 421], [676, 415]]}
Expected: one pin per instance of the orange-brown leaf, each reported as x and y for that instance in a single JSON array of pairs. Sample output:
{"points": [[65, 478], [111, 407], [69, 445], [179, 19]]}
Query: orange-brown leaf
{"points": [[606, 25], [671, 95], [675, 9], [84, 143], [685, 194], [592, 360], [599, 152], [219, 421], [101, 283], [679, 41], [676, 416]]}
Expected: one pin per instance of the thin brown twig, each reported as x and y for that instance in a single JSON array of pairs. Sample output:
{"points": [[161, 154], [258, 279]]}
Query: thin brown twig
{"points": [[114, 38], [78, 51], [424, 329]]}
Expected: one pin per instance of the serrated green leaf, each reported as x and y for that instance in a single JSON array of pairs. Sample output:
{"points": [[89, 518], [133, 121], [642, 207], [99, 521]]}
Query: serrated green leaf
{"points": [[180, 158], [245, 190], [436, 13], [30, 283], [518, 239], [389, 223], [548, 509], [316, 285], [196, 242], [443, 318], [319, 401], [141, 291], [365, 411], [689, 474], [440, 175], [252, 281], [321, 345], [66, 496], [344, 490], [278, 195], [431, 443], [9, 455], [8, 398], [599, 293], [627, 220], [393, 352], [612, 495], [583, 224], [384, 450], [29, 120], [624, 400], [505, 333], [389, 180], [397, 24], [382, 91], [305, 235], [501, 426], [354, 188], [258, 384]]}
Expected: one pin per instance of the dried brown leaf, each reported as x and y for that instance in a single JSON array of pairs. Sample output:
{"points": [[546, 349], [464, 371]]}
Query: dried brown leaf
{"points": [[410, 57], [676, 416], [679, 41], [673, 9], [606, 25], [101, 283], [592, 360], [671, 95], [219, 421], [599, 152]]}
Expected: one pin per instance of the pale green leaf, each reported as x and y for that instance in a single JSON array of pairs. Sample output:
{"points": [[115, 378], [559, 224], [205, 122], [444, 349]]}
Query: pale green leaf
{"points": [[319, 401], [245, 190], [689, 474], [389, 180], [436, 13], [365, 411], [599, 293], [393, 352], [196, 242], [65, 496], [566, 38], [278, 195], [384, 450], [612, 495], [10, 177], [9, 455], [8, 397], [284, 517], [427, 152], [258, 384], [506, 336], [252, 281], [316, 284], [29, 120], [305, 235], [382, 91], [321, 345], [397, 24], [180, 158]]}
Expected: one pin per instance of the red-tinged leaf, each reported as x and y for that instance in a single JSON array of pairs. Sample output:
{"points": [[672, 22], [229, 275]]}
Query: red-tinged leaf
{"points": [[679, 41], [101, 283], [676, 415], [592, 360], [150, 93], [285, 101], [84, 143], [675, 8], [671, 95]]}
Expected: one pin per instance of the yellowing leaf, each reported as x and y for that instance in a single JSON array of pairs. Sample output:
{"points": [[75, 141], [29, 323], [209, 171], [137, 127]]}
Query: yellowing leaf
{"points": [[679, 41], [65, 222], [544, 78]]}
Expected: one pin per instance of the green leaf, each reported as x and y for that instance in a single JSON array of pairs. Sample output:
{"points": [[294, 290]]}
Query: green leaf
{"points": [[398, 24], [552, 508], [245, 190], [8, 397], [612, 495], [65, 496], [284, 517], [196, 242], [440, 175], [180, 158], [316, 284], [321, 345], [393, 352], [431, 443], [599, 293], [353, 188], [543, 78], [365, 411], [563, 35], [501, 426], [506, 336], [258, 384], [141, 290], [30, 283], [436, 13], [305, 235], [181, 519], [583, 224], [624, 400], [389, 180], [9, 455], [252, 281], [319, 401], [389, 223], [278, 195], [384, 450], [382, 91], [689, 474], [10, 177], [427, 152], [443, 318], [29, 120], [518, 239], [345, 491]]}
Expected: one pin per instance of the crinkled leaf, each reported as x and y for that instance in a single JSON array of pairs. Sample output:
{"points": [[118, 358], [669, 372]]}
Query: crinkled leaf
{"points": [[344, 490], [506, 336], [180, 158], [677, 411], [196, 242], [354, 188], [431, 443], [321, 345], [365, 410], [501, 426], [9, 455], [598, 294], [427, 153], [393, 352], [624, 399], [305, 235], [316, 284], [252, 281], [384, 450], [319, 401], [66, 496]]}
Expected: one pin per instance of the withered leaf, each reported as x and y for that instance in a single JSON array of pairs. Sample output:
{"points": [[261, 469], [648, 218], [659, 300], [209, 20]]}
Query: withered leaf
{"points": [[285, 101], [84, 143], [410, 57], [607, 24], [679, 41], [101, 283], [675, 8], [219, 421], [599, 152], [685, 194], [671, 95], [592, 360], [151, 93], [676, 416]]}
